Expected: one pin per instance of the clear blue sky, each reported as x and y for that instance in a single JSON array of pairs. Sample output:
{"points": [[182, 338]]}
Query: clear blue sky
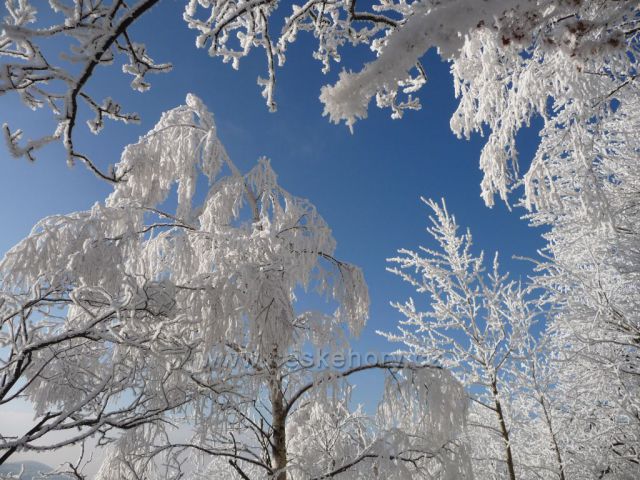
{"points": [[366, 185]]}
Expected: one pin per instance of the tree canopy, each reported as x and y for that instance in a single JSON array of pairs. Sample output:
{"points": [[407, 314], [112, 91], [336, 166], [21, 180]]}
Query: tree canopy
{"points": [[113, 317]]}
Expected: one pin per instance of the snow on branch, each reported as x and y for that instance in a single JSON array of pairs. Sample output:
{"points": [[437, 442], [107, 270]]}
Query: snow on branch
{"points": [[512, 61], [58, 83]]}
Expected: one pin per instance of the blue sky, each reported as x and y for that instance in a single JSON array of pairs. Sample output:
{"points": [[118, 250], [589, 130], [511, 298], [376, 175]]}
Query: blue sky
{"points": [[366, 185]]}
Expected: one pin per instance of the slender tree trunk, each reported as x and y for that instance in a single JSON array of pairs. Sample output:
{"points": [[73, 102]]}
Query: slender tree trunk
{"points": [[553, 439], [505, 433], [279, 448]]}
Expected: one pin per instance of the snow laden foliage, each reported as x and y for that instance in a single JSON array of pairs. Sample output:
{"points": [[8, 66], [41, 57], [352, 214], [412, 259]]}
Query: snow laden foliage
{"points": [[582, 186], [572, 418], [571, 73], [512, 61], [588, 200], [164, 323], [558, 403]]}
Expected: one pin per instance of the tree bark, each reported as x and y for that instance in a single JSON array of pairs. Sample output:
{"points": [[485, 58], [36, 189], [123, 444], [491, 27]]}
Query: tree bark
{"points": [[279, 448], [504, 431], [556, 448]]}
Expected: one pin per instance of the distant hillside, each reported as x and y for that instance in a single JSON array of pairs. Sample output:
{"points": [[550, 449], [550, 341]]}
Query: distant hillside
{"points": [[32, 471]]}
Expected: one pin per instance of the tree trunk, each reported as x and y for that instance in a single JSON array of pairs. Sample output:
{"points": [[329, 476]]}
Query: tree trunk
{"points": [[553, 439], [505, 433], [279, 448]]}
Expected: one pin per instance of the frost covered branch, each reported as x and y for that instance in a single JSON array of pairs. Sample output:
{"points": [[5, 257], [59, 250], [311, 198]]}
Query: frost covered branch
{"points": [[101, 31]]}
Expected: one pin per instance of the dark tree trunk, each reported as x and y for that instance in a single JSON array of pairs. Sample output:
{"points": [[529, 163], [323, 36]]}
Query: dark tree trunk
{"points": [[504, 431]]}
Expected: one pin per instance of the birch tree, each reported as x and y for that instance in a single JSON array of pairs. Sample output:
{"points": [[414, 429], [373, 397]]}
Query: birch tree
{"points": [[475, 325], [170, 331], [590, 271]]}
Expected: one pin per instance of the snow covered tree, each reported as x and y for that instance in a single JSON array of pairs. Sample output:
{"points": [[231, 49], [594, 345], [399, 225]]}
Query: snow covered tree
{"points": [[572, 64], [575, 413], [540, 440], [169, 329], [585, 390], [508, 58], [562, 403], [588, 200], [476, 326]]}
